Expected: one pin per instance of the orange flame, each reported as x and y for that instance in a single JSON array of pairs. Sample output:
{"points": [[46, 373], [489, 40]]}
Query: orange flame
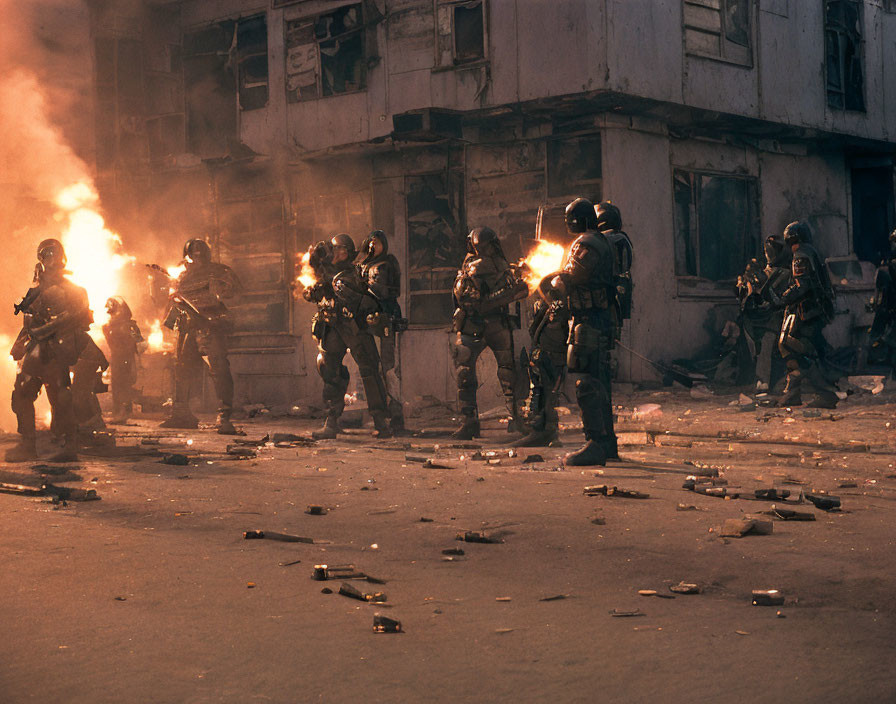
{"points": [[156, 338], [94, 252], [546, 258], [306, 276]]}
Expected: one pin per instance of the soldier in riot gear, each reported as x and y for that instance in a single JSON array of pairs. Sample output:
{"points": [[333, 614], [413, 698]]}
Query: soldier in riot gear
{"points": [[57, 316], [340, 325], [883, 328], [549, 331], [382, 274], [609, 224], [761, 317], [87, 382], [200, 316], [124, 339], [588, 283], [809, 306], [485, 285]]}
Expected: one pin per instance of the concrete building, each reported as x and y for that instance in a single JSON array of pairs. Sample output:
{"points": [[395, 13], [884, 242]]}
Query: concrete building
{"points": [[270, 124]]}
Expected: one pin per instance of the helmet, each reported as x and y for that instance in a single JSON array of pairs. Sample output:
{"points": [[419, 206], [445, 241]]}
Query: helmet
{"points": [[479, 240], [197, 251], [609, 219], [367, 246], [116, 305], [51, 256], [347, 243], [797, 232], [776, 251], [580, 216]]}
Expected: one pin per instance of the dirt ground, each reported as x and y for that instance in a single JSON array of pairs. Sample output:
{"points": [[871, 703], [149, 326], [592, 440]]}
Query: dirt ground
{"points": [[152, 594]]}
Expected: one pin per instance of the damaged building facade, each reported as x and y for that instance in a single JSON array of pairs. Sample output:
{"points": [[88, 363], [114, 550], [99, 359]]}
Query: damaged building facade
{"points": [[268, 125]]}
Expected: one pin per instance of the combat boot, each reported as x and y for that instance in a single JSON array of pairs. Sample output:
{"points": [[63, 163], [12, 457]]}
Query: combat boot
{"points": [[396, 424], [469, 430], [224, 425], [180, 418], [330, 430], [824, 399], [68, 451], [24, 451], [382, 429], [610, 446], [791, 395], [591, 454], [537, 438]]}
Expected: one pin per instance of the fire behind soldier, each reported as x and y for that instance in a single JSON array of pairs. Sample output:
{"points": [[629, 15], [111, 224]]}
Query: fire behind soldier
{"points": [[588, 282], [203, 324], [56, 318], [484, 287], [340, 325], [382, 274]]}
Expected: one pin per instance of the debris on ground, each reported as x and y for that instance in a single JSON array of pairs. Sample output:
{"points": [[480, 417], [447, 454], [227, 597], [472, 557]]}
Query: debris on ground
{"points": [[384, 624], [872, 383], [322, 573], [176, 459], [269, 535], [620, 613], [532, 459], [241, 451], [739, 527], [556, 597], [767, 597], [823, 502], [599, 521], [429, 463], [291, 440], [685, 588], [475, 536], [606, 490], [315, 510], [786, 514], [346, 589], [646, 411], [453, 551], [58, 493], [654, 592]]}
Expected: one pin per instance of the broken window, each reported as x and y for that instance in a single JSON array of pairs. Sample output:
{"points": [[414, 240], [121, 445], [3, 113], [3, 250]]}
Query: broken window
{"points": [[436, 245], [574, 167], [843, 49], [252, 66], [210, 90], [716, 224], [719, 29], [460, 32], [325, 55]]}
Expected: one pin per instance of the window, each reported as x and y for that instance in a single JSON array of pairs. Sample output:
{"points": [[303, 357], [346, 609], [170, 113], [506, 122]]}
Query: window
{"points": [[252, 67], [843, 50], [716, 224], [719, 29], [574, 167], [325, 55], [216, 80], [436, 245], [460, 32]]}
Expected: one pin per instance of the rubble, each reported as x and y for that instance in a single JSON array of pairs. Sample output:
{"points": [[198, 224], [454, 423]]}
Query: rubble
{"points": [[384, 624], [739, 527], [176, 459], [473, 536], [767, 597], [685, 588], [346, 589], [315, 510], [824, 502], [605, 490], [270, 535]]}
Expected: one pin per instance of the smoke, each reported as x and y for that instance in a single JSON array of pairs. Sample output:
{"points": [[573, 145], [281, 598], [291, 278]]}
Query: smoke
{"points": [[45, 120]]}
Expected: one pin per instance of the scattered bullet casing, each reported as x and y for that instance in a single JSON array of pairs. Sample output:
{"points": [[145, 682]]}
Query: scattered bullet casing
{"points": [[384, 624]]}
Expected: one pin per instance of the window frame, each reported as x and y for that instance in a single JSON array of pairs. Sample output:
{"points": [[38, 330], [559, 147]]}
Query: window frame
{"points": [[727, 47], [696, 284], [860, 51], [360, 30], [439, 64]]}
